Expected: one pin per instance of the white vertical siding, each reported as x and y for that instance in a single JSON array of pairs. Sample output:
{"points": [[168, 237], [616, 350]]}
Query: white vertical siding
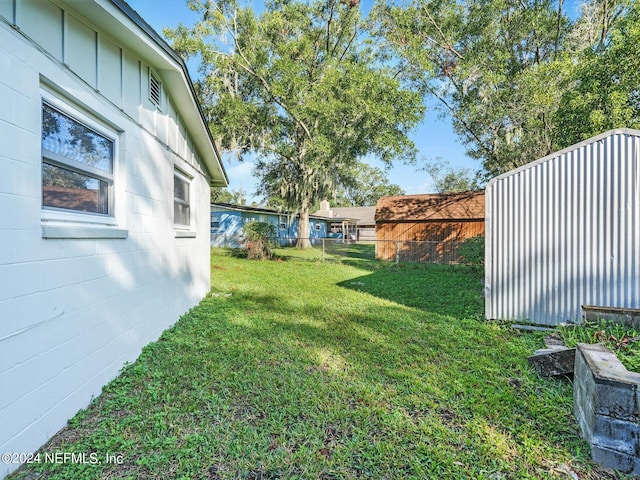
{"points": [[110, 70], [564, 231], [114, 71], [42, 21], [80, 49], [7, 10]]}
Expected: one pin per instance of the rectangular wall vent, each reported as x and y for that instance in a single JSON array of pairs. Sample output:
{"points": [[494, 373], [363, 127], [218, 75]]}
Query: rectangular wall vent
{"points": [[155, 89]]}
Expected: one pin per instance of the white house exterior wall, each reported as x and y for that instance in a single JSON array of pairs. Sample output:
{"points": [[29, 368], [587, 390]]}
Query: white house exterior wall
{"points": [[564, 231], [74, 309]]}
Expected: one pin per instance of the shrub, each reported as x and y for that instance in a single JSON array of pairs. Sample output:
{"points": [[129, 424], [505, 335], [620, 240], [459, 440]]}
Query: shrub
{"points": [[471, 251], [259, 237]]}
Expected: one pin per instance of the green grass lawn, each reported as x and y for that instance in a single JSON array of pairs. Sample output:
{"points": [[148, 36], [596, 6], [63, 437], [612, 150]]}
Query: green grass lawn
{"points": [[296, 368]]}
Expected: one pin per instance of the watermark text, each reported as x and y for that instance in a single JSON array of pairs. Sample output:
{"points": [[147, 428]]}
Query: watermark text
{"points": [[92, 458]]}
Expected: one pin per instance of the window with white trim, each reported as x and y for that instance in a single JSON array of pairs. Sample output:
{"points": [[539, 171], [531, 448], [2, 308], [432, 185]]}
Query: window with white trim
{"points": [[77, 163], [181, 200]]}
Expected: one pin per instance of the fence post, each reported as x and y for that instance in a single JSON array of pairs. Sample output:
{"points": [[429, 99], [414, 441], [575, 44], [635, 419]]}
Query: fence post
{"points": [[397, 252], [323, 249]]}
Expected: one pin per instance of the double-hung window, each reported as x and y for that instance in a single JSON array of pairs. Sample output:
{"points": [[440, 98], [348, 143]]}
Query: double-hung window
{"points": [[77, 164], [181, 200]]}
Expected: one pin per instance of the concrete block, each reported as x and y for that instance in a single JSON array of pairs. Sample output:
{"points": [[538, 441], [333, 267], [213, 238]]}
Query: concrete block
{"points": [[7, 244], [6, 167], [553, 362], [19, 279], [20, 212], [630, 317], [616, 460], [615, 392], [617, 400], [8, 320], [606, 403], [72, 310], [617, 435], [6, 97], [26, 180]]}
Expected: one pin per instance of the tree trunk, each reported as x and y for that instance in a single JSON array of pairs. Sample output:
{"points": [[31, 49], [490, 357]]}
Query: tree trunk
{"points": [[303, 227]]}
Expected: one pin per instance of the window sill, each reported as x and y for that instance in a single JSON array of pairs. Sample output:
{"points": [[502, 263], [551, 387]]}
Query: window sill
{"points": [[82, 232], [185, 234]]}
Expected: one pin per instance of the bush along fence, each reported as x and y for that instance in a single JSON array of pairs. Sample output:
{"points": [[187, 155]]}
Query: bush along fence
{"points": [[470, 252]]}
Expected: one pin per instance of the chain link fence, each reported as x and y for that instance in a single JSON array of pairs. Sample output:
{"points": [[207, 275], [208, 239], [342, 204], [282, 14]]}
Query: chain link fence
{"points": [[397, 251]]}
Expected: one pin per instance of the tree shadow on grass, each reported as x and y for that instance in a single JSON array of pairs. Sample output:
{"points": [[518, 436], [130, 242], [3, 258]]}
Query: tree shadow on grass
{"points": [[450, 290], [264, 381]]}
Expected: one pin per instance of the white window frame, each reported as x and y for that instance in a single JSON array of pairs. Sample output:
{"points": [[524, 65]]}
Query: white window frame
{"points": [[69, 223], [182, 176]]}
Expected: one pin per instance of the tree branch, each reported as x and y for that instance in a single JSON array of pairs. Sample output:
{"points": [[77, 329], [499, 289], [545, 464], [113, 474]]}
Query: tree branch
{"points": [[447, 45], [466, 126], [247, 67]]}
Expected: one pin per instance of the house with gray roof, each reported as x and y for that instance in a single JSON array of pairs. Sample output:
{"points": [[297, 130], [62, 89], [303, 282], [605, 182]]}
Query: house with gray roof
{"points": [[358, 222]]}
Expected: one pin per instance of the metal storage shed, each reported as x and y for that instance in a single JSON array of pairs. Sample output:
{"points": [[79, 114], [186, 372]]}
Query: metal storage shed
{"points": [[564, 231]]}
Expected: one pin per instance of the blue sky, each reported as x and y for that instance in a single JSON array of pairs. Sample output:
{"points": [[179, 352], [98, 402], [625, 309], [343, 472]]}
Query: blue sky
{"points": [[434, 137]]}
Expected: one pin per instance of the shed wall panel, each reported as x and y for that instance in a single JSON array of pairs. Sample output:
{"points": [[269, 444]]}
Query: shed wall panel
{"points": [[7, 10], [80, 50], [110, 70], [42, 21], [172, 127], [131, 80], [563, 232]]}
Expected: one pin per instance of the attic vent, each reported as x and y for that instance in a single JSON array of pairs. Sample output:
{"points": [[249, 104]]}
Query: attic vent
{"points": [[155, 89]]}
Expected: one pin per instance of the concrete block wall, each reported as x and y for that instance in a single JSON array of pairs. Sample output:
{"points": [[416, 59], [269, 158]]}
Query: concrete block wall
{"points": [[607, 407], [74, 310]]}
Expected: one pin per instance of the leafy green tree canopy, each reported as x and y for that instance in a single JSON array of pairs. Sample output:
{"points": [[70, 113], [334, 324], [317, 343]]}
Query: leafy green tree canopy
{"points": [[605, 93], [449, 180], [225, 195], [299, 86], [364, 186], [518, 78], [497, 68]]}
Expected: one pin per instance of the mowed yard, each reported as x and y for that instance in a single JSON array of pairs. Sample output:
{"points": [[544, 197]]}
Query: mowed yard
{"points": [[296, 368]]}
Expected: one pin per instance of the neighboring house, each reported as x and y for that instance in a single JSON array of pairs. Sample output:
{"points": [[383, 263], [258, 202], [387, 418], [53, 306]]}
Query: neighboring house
{"points": [[427, 228], [358, 222], [105, 174], [227, 221], [564, 231]]}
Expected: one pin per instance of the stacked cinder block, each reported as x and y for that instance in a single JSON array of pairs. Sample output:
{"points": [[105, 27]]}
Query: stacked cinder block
{"points": [[607, 407]]}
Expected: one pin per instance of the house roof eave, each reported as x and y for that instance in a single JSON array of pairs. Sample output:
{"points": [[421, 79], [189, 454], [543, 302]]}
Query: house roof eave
{"points": [[118, 19]]}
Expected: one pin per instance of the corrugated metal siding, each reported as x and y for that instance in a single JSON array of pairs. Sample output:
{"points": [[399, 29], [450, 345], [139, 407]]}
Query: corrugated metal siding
{"points": [[564, 232]]}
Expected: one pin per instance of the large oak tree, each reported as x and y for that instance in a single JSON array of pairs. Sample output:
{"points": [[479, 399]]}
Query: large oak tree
{"points": [[497, 68], [518, 78], [298, 85]]}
